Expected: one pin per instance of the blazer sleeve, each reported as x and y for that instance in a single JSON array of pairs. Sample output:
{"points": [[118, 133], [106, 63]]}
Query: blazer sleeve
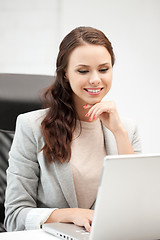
{"points": [[133, 134], [21, 210], [136, 142]]}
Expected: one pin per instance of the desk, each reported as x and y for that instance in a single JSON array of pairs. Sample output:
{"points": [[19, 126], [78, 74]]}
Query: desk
{"points": [[27, 235]]}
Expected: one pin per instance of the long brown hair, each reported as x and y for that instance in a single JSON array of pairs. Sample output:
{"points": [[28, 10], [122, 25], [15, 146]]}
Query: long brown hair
{"points": [[60, 120]]}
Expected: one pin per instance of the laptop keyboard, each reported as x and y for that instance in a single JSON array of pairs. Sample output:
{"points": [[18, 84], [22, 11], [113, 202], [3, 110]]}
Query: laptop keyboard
{"points": [[84, 233]]}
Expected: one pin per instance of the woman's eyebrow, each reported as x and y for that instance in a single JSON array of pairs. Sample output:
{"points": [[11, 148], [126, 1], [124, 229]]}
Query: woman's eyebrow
{"points": [[100, 65], [82, 65], [103, 64]]}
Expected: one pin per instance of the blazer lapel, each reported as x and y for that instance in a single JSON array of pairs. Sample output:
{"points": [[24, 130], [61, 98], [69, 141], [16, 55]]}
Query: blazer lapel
{"points": [[65, 178]]}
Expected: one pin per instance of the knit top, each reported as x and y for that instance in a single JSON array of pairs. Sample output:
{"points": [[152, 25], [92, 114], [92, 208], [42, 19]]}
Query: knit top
{"points": [[88, 152]]}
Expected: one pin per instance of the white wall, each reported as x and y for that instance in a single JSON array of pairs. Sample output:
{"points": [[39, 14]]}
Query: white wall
{"points": [[31, 31]]}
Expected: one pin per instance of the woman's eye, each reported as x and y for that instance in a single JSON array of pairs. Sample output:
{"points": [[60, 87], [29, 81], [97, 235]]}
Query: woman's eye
{"points": [[103, 70], [83, 71]]}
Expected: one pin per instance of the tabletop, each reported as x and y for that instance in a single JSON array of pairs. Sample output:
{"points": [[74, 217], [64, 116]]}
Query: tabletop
{"points": [[28, 234]]}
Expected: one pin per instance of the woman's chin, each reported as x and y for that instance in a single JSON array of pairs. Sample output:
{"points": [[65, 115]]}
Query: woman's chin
{"points": [[94, 101]]}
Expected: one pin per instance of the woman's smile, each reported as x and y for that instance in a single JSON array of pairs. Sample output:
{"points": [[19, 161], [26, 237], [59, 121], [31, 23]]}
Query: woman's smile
{"points": [[93, 91]]}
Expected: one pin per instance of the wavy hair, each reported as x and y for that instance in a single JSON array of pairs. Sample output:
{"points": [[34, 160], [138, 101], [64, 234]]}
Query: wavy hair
{"points": [[60, 120]]}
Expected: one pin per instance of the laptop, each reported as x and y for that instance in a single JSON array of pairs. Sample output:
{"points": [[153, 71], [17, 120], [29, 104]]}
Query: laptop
{"points": [[127, 205]]}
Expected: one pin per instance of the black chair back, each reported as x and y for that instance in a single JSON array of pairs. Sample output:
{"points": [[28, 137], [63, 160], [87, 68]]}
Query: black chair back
{"points": [[19, 93]]}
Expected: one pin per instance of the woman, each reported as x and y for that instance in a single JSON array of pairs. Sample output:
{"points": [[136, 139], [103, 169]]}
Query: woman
{"points": [[57, 153]]}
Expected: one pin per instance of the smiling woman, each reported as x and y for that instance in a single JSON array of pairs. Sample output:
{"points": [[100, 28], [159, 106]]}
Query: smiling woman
{"points": [[57, 153], [91, 66]]}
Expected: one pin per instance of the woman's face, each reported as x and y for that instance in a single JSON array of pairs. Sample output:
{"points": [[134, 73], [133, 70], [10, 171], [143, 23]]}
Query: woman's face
{"points": [[89, 73]]}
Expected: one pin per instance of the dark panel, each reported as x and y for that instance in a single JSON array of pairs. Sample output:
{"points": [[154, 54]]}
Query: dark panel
{"points": [[20, 93]]}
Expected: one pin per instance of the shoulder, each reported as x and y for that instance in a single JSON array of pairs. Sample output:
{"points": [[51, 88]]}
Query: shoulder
{"points": [[31, 122], [33, 117]]}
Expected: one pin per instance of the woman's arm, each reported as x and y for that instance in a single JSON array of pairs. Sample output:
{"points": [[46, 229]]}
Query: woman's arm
{"points": [[23, 174], [23, 177], [123, 144], [107, 113]]}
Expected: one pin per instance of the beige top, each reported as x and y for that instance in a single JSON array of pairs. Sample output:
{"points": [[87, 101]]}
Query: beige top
{"points": [[88, 151]]}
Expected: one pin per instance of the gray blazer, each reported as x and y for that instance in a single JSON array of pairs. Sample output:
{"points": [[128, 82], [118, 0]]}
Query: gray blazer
{"points": [[32, 182]]}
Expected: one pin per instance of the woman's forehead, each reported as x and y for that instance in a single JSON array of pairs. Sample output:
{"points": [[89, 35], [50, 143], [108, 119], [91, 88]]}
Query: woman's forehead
{"points": [[89, 53]]}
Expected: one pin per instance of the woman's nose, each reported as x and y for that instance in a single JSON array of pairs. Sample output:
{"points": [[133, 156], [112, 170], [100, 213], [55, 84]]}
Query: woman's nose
{"points": [[94, 79]]}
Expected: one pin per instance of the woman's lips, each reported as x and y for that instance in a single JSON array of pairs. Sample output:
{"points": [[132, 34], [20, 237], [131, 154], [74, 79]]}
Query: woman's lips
{"points": [[93, 91]]}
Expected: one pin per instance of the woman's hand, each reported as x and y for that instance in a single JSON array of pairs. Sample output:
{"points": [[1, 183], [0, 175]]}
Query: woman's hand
{"points": [[83, 217], [107, 113], [78, 216]]}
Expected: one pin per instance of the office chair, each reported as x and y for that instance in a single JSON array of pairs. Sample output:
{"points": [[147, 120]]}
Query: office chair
{"points": [[19, 93]]}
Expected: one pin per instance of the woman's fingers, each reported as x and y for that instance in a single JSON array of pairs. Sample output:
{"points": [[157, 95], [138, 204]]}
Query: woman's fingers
{"points": [[106, 111], [88, 227], [96, 110], [82, 217], [87, 106]]}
